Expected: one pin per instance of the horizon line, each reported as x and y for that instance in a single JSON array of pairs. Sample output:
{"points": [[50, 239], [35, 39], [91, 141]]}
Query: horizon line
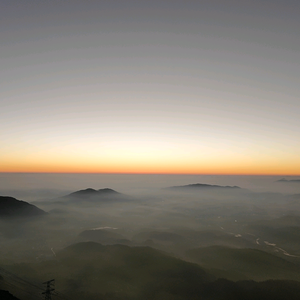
{"points": [[154, 173]]}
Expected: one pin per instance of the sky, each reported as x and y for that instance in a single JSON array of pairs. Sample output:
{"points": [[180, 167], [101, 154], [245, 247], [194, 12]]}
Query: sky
{"points": [[169, 86]]}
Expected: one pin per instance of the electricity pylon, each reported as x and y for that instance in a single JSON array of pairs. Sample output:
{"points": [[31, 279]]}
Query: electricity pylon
{"points": [[49, 289]]}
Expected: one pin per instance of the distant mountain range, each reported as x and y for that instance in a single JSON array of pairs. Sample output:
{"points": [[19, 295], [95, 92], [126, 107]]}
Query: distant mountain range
{"points": [[11, 207], [291, 180], [92, 195], [203, 186], [89, 192]]}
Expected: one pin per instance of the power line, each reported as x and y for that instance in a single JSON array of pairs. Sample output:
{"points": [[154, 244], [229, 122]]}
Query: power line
{"points": [[21, 290], [20, 280], [61, 295], [49, 289]]}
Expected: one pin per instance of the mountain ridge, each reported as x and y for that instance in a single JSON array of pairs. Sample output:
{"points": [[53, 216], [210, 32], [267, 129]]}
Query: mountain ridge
{"points": [[92, 192], [12, 207], [203, 186]]}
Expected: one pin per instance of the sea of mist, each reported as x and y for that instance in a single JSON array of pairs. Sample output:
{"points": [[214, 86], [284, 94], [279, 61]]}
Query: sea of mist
{"points": [[213, 226], [33, 186]]}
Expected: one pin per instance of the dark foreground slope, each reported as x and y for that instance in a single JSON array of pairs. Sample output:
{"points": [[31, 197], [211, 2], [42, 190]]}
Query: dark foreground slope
{"points": [[237, 264], [89, 271], [11, 207], [93, 271], [223, 289], [5, 295]]}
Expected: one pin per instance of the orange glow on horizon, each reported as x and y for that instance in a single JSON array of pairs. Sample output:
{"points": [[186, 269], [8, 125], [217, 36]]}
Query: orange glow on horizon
{"points": [[154, 170], [153, 173], [193, 164]]}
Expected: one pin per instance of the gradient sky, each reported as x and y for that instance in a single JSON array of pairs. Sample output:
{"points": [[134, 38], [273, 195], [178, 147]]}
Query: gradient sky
{"points": [[199, 87]]}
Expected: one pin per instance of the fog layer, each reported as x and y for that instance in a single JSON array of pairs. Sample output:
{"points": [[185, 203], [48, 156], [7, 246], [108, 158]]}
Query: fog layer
{"points": [[237, 228]]}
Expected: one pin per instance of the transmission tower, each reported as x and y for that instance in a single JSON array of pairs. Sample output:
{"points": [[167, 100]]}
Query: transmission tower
{"points": [[49, 289]]}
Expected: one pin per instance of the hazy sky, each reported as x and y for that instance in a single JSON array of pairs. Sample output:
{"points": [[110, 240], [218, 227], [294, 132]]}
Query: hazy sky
{"points": [[150, 86]]}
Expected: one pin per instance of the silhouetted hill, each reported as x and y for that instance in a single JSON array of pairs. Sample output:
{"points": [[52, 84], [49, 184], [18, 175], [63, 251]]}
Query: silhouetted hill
{"points": [[93, 195], [201, 186], [288, 180], [89, 192], [11, 207], [122, 272], [240, 264], [181, 240]]}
